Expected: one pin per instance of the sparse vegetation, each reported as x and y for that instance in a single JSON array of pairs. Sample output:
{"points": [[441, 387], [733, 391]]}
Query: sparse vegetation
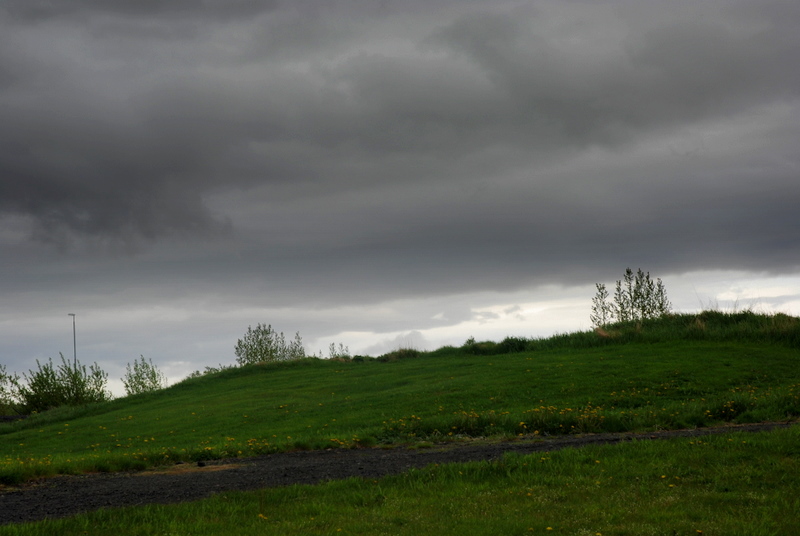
{"points": [[142, 377], [341, 352], [6, 386], [602, 309], [636, 297], [207, 371], [400, 353], [51, 386], [264, 345]]}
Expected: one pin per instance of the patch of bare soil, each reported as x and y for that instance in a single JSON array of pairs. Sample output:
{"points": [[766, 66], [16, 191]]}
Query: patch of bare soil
{"points": [[68, 495]]}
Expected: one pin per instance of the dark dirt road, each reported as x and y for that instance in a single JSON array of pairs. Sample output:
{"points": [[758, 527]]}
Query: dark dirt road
{"points": [[67, 495]]}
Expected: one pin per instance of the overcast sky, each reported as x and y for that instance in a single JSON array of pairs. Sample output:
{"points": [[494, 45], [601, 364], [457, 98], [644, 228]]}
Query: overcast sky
{"points": [[384, 173]]}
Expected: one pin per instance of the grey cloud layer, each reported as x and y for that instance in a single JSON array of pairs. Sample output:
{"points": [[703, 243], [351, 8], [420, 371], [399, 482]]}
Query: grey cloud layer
{"points": [[430, 143]]}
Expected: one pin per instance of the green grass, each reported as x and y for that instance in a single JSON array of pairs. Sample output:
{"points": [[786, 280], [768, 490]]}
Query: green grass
{"points": [[733, 485], [743, 369]]}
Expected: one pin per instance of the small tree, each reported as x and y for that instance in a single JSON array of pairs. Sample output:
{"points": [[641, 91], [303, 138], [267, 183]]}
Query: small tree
{"points": [[143, 377], [295, 349], [342, 352], [602, 310], [623, 297], [636, 297], [643, 297], [264, 345], [661, 304]]}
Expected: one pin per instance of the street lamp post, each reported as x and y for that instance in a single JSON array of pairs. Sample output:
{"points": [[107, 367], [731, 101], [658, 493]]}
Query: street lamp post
{"points": [[74, 343]]}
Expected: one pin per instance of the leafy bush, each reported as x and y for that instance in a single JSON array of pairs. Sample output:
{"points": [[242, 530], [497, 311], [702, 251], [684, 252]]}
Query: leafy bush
{"points": [[400, 353], [143, 377], [446, 350], [512, 345], [7, 405], [65, 385], [471, 346], [208, 370], [264, 345], [636, 298]]}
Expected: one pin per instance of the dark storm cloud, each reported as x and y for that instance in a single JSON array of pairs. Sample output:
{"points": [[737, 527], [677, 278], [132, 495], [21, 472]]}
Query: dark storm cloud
{"points": [[50, 9], [640, 76], [429, 144]]}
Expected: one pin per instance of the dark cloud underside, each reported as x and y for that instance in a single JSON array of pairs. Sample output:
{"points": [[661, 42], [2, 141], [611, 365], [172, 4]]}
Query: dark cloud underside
{"points": [[435, 142]]}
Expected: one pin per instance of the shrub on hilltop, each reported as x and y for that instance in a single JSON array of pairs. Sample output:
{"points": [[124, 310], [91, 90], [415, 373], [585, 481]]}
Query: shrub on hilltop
{"points": [[636, 297], [51, 386], [264, 345]]}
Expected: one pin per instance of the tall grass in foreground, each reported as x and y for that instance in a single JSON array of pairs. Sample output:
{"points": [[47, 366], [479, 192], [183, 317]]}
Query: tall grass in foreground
{"points": [[652, 381], [735, 484]]}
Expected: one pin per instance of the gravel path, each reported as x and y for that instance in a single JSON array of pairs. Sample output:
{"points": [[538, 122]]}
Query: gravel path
{"points": [[67, 495]]}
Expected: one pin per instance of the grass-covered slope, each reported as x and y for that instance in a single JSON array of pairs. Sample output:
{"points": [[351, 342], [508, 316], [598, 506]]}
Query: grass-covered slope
{"points": [[680, 371], [727, 485]]}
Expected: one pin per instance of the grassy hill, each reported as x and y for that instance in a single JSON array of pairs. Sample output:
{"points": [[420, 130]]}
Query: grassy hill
{"points": [[681, 371]]}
